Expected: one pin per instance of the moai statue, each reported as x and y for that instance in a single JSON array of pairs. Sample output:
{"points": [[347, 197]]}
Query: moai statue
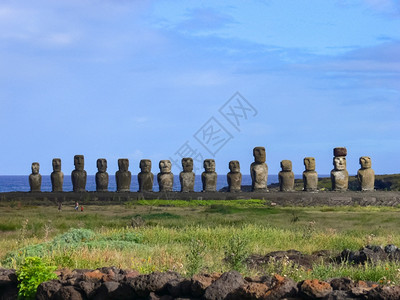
{"points": [[35, 179], [165, 178], [339, 174], [209, 176], [57, 177], [145, 177], [286, 177], [310, 176], [365, 175], [259, 170], [186, 177], [102, 175], [78, 176], [123, 176], [234, 177]]}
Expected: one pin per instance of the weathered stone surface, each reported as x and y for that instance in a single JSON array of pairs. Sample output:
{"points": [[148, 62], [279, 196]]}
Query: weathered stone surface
{"points": [[145, 177], [8, 284], [187, 176], [310, 176], [342, 284], [209, 176], [165, 178], [315, 288], [57, 177], [67, 293], [227, 283], [78, 176], [339, 175], [102, 175], [35, 179], [249, 291], [112, 290], [365, 175], [201, 282], [179, 287], [286, 177], [234, 177], [156, 282], [46, 290], [384, 293], [123, 176], [259, 170], [281, 287]]}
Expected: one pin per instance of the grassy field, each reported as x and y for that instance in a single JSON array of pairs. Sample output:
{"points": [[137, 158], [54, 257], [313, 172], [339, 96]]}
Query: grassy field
{"points": [[190, 237]]}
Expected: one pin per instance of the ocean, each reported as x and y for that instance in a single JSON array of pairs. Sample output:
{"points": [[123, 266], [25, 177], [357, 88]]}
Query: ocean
{"points": [[19, 183]]}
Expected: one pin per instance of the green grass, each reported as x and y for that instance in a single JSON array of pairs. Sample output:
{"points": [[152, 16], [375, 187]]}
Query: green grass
{"points": [[103, 235]]}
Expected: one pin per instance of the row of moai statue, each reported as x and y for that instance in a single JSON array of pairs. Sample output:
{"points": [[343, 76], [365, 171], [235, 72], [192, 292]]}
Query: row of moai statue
{"points": [[165, 178]]}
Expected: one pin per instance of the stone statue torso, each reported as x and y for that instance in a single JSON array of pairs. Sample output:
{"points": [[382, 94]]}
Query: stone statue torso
{"points": [[35, 182], [123, 180], [165, 181], [145, 180], [340, 180], [259, 176], [310, 180], [102, 181], [187, 181], [234, 182], [209, 181]]}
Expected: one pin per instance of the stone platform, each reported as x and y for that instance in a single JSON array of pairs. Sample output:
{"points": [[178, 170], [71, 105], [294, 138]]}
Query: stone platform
{"points": [[377, 198]]}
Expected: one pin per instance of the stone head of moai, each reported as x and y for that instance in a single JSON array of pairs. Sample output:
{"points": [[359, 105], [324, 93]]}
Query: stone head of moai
{"points": [[309, 163], [56, 164], [365, 162], [234, 166], [286, 165], [165, 166], [123, 164], [79, 162], [339, 163], [35, 168], [259, 155], [102, 165], [145, 165], [187, 164], [209, 165]]}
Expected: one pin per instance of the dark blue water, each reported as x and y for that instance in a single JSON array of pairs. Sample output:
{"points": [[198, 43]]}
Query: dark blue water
{"points": [[21, 183]]}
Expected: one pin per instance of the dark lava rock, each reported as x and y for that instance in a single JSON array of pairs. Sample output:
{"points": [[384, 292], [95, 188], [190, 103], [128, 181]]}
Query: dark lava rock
{"points": [[179, 287], [384, 293], [227, 283], [88, 288], [47, 289], [342, 284], [338, 295], [281, 287], [201, 282], [8, 284], [315, 289], [68, 293], [112, 290], [249, 291], [298, 258], [156, 282]]}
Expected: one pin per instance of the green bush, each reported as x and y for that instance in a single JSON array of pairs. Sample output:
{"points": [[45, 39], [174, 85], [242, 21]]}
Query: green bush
{"points": [[236, 252], [194, 257], [33, 272]]}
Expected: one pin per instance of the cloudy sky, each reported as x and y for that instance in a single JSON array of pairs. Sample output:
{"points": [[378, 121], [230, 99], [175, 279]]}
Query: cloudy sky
{"points": [[159, 80]]}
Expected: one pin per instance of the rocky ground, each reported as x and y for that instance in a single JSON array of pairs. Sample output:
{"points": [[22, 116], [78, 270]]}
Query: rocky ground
{"points": [[114, 283]]}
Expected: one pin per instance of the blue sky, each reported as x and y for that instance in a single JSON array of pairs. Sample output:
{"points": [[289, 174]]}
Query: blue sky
{"points": [[138, 79]]}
